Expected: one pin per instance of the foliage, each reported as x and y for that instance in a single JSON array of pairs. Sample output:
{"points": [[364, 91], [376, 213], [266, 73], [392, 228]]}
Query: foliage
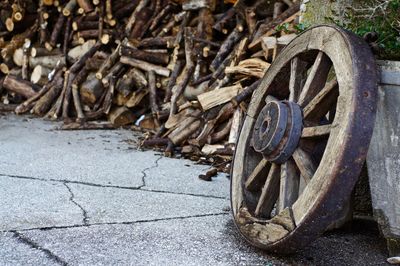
{"points": [[381, 17]]}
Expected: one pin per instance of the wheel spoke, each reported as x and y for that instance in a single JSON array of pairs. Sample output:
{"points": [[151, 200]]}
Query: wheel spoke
{"points": [[316, 79], [297, 75], [305, 164], [289, 185], [258, 176], [270, 192], [322, 103], [317, 131]]}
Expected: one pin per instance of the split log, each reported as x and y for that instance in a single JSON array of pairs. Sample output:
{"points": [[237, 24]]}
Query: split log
{"points": [[214, 98], [121, 116]]}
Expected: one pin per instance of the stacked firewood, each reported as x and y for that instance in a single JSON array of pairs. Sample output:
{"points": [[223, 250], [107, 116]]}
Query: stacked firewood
{"points": [[182, 70]]}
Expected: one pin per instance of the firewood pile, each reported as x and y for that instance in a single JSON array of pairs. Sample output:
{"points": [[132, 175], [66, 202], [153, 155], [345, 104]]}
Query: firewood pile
{"points": [[184, 71]]}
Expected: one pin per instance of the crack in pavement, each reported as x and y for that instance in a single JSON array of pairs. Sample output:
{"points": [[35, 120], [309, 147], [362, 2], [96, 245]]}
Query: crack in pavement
{"points": [[147, 169], [85, 219], [140, 188], [48, 228], [32, 244], [181, 193]]}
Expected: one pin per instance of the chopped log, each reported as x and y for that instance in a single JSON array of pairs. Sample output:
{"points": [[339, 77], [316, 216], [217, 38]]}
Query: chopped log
{"points": [[187, 72], [40, 51], [47, 61], [77, 66], [136, 98], [235, 127], [29, 103], [214, 98], [114, 72], [132, 19], [138, 78], [75, 53], [226, 48], [16, 42], [180, 134], [162, 71], [153, 93], [149, 143], [56, 32], [69, 8], [172, 80], [155, 58], [253, 67], [19, 86], [44, 103], [86, 5], [91, 90], [221, 134], [18, 56], [245, 93], [40, 75], [121, 116], [167, 42], [209, 174]]}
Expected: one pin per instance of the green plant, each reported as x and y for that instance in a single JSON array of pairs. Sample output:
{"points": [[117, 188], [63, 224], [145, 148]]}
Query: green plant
{"points": [[381, 17]]}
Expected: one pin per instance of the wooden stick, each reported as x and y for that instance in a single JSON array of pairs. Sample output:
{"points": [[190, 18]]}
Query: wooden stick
{"points": [[162, 71]]}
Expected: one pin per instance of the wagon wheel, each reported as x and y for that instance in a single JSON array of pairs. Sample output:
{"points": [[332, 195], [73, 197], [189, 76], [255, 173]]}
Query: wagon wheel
{"points": [[304, 139]]}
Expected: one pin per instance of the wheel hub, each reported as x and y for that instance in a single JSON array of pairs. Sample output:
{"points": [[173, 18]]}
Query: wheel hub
{"points": [[277, 130]]}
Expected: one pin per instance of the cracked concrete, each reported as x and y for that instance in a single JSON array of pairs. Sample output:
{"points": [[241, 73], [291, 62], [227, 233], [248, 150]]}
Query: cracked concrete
{"points": [[85, 218], [33, 245], [89, 198]]}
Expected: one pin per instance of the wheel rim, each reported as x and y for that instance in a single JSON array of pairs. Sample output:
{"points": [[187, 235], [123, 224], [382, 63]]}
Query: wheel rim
{"points": [[306, 135]]}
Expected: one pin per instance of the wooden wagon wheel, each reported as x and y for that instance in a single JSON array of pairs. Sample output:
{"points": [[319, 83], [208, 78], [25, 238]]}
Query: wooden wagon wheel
{"points": [[304, 139]]}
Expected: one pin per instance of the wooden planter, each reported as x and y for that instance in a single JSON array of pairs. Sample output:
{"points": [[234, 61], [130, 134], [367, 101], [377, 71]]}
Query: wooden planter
{"points": [[384, 156]]}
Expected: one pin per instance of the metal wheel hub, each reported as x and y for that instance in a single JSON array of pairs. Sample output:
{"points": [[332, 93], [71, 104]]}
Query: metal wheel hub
{"points": [[277, 130]]}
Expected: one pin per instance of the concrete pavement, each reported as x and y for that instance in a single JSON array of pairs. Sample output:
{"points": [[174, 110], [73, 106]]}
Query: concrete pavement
{"points": [[92, 198]]}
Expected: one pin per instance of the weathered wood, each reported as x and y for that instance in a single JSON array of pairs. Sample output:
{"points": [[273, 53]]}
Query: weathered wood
{"points": [[40, 75], [383, 156], [317, 131], [305, 164], [214, 98], [162, 71], [43, 105], [269, 193], [258, 177], [316, 79], [91, 90], [289, 185], [155, 58], [322, 102], [226, 48], [344, 149], [21, 87], [121, 116]]}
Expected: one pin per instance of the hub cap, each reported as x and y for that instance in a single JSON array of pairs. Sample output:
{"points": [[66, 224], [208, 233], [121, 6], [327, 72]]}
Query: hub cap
{"points": [[278, 130]]}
